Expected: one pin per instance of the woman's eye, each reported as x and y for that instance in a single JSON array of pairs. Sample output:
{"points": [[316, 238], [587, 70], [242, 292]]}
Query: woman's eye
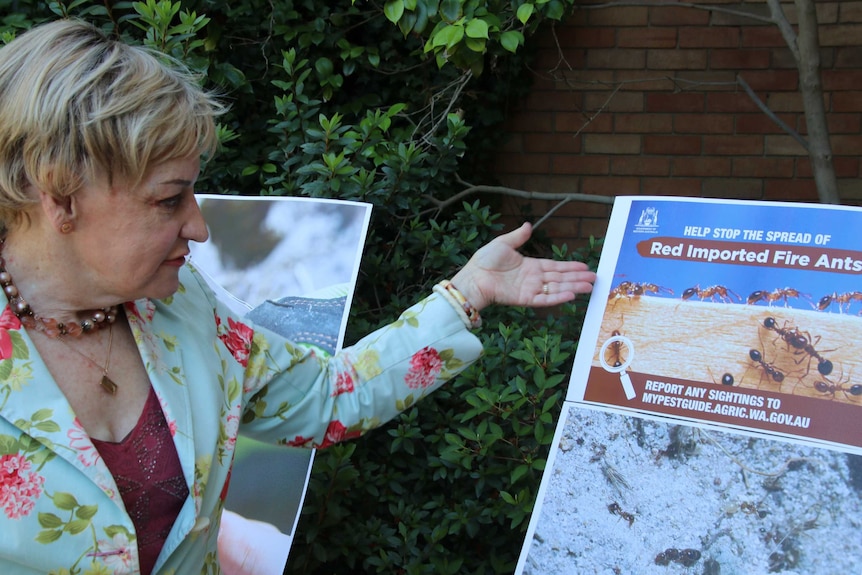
{"points": [[172, 202]]}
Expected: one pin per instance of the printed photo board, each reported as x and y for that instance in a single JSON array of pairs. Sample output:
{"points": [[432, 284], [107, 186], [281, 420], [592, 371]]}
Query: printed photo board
{"points": [[291, 265], [713, 420]]}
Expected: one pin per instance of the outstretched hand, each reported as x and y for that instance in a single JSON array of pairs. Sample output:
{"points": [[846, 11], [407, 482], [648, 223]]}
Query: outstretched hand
{"points": [[498, 274]]}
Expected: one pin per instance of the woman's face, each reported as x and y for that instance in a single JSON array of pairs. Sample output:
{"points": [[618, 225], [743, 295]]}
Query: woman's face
{"points": [[131, 242]]}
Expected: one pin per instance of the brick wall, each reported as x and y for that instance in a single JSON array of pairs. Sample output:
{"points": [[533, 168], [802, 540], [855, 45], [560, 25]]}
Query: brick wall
{"points": [[641, 100]]}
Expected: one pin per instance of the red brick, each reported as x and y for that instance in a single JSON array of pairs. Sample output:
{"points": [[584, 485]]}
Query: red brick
{"points": [[783, 146], [581, 165], [701, 166], [737, 102], [611, 186], [619, 16], [762, 37], [850, 191], [583, 37], [843, 145], [681, 102], [612, 144], [847, 102], [643, 123], [676, 59], [848, 57], [840, 35], [739, 59], [616, 59], [790, 190], [677, 16], [709, 37], [671, 187], [640, 166], [672, 145], [703, 123], [842, 80], [732, 145], [523, 163], [619, 102], [539, 143], [646, 37], [583, 123], [771, 80], [850, 12], [762, 124], [763, 167], [735, 188]]}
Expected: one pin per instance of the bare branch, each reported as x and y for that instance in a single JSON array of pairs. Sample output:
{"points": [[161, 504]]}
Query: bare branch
{"points": [[784, 27], [506, 191], [770, 114]]}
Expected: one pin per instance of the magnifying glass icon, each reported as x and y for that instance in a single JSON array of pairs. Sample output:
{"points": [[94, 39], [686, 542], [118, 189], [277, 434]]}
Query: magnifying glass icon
{"points": [[622, 354]]}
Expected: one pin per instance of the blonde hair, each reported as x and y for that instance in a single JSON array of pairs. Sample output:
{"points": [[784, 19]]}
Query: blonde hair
{"points": [[75, 103]]}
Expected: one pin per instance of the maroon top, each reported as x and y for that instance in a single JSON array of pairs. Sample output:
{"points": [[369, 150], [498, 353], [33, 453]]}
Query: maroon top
{"points": [[148, 473]]}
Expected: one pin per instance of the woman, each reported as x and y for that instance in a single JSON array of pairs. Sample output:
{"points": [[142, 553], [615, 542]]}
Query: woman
{"points": [[123, 380]]}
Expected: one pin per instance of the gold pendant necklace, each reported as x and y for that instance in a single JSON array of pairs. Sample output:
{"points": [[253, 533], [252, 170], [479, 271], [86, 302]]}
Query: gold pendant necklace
{"points": [[106, 382]]}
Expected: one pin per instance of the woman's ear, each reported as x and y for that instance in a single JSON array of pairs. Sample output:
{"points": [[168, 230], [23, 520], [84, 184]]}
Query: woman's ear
{"points": [[60, 211]]}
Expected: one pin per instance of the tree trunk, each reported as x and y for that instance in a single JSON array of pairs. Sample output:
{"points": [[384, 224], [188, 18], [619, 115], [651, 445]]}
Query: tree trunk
{"points": [[808, 63]]}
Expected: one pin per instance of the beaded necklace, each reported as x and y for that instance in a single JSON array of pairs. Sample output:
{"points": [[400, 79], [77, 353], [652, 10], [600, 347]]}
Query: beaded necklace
{"points": [[49, 326]]}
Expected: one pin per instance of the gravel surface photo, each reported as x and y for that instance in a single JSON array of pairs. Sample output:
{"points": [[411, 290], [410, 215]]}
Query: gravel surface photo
{"points": [[630, 495]]}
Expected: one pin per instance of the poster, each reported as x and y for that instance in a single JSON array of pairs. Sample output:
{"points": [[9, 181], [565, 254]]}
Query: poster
{"points": [[290, 264], [712, 422]]}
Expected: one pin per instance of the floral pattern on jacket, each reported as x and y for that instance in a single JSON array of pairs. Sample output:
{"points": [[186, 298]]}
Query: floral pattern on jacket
{"points": [[215, 376]]}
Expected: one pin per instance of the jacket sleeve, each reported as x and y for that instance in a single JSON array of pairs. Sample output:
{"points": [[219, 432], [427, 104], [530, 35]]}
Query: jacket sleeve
{"points": [[294, 395]]}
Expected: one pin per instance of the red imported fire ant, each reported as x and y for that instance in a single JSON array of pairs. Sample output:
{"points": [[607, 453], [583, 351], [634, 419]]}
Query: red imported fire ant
{"points": [[769, 369], [617, 510], [614, 354], [774, 296], [842, 299], [831, 388], [712, 292], [629, 289], [801, 342]]}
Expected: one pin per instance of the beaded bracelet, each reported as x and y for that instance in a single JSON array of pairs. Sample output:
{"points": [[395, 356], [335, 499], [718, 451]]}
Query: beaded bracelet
{"points": [[469, 315]]}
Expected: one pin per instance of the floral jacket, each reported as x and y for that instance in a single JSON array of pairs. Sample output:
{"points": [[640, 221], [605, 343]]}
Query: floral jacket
{"points": [[60, 509]]}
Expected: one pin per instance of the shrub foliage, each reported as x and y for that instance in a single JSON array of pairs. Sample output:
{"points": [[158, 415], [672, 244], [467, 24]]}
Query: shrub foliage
{"points": [[394, 104]]}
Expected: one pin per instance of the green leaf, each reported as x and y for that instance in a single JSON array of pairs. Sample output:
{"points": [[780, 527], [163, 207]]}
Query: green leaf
{"points": [[524, 12], [511, 39], [476, 28], [393, 10]]}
